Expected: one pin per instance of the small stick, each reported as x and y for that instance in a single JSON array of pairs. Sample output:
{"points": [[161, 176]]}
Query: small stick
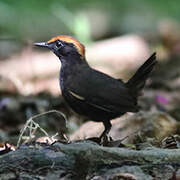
{"points": [[33, 126]]}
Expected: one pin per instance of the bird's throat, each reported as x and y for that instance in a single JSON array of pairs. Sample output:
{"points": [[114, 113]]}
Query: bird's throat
{"points": [[70, 67]]}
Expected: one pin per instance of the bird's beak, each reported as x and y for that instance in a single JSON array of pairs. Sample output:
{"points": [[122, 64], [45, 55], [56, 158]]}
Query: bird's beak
{"points": [[42, 44]]}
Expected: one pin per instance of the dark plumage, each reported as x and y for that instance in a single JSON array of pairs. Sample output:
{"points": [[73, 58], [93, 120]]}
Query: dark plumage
{"points": [[93, 93]]}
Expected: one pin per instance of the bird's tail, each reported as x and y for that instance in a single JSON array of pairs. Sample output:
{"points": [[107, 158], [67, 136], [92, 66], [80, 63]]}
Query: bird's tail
{"points": [[137, 82]]}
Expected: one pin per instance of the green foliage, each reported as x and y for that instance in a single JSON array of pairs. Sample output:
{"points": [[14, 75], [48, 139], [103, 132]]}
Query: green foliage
{"points": [[32, 19]]}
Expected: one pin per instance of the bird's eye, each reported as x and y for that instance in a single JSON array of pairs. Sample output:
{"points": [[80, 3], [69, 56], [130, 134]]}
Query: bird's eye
{"points": [[59, 43]]}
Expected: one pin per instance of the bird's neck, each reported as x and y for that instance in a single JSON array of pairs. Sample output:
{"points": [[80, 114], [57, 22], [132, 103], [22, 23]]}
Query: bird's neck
{"points": [[72, 62], [70, 67]]}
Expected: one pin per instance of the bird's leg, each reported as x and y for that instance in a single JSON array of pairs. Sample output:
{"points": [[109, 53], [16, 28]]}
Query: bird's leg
{"points": [[107, 126]]}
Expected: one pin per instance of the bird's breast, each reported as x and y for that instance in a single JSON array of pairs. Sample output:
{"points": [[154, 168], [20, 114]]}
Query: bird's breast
{"points": [[61, 82], [63, 77]]}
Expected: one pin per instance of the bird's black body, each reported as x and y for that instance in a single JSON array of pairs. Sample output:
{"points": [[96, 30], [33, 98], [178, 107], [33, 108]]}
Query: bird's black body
{"points": [[93, 93]]}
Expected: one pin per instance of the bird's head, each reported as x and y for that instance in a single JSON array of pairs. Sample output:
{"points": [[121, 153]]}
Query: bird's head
{"points": [[64, 46]]}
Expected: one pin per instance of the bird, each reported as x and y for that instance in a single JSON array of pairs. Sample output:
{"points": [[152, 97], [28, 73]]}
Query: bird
{"points": [[92, 93]]}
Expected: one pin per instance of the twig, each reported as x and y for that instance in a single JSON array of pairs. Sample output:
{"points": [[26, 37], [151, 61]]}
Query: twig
{"points": [[33, 126]]}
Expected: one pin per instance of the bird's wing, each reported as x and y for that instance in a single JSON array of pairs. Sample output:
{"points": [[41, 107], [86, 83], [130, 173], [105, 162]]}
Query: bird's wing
{"points": [[103, 92]]}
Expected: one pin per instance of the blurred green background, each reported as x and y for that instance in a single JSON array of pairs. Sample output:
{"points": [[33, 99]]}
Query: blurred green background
{"points": [[87, 20]]}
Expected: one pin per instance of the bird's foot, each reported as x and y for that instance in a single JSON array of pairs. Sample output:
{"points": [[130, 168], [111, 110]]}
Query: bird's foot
{"points": [[105, 139], [102, 140], [110, 142]]}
